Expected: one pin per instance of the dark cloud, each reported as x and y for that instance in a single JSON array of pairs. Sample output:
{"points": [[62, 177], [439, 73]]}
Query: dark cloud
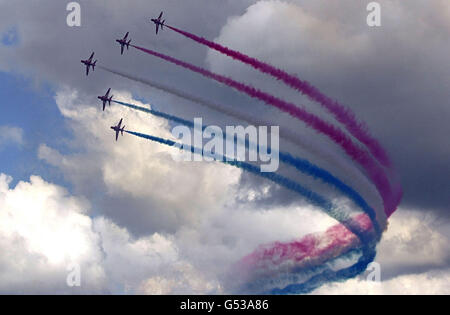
{"points": [[393, 77]]}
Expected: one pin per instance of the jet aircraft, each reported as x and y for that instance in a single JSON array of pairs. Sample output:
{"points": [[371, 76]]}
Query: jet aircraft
{"points": [[106, 99], [88, 63], [158, 22], [124, 43], [118, 129]]}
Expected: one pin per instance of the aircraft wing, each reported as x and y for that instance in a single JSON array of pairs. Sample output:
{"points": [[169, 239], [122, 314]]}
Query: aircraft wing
{"points": [[160, 16], [92, 56], [120, 123], [126, 36], [157, 27], [121, 49], [87, 70], [117, 135], [107, 93]]}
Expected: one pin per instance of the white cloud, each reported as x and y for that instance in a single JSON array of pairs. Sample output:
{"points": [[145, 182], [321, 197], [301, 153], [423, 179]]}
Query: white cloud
{"points": [[413, 257], [28, 207], [426, 283], [127, 260], [284, 43], [44, 230], [414, 240], [137, 169], [183, 278]]}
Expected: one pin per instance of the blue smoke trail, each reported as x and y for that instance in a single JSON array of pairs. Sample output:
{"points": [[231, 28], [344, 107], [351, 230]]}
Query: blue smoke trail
{"points": [[321, 274], [328, 275], [323, 152], [311, 196], [300, 164], [368, 255]]}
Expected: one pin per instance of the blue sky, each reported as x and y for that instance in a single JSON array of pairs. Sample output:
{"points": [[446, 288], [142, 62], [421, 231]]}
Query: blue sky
{"points": [[33, 109]]}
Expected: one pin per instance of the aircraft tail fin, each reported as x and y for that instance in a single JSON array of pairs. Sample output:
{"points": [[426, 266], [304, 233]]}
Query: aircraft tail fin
{"points": [[162, 24], [123, 128], [93, 65]]}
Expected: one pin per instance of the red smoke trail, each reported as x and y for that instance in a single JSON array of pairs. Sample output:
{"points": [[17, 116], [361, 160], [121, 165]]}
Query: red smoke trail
{"points": [[343, 114], [322, 151], [311, 250], [358, 154]]}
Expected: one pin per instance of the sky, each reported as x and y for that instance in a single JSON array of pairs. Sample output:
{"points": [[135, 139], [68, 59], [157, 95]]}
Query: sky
{"points": [[138, 222]]}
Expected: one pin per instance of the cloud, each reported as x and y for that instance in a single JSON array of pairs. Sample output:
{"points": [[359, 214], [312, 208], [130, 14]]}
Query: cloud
{"points": [[44, 230], [430, 283], [10, 135], [156, 191], [414, 256], [331, 46], [183, 279], [415, 241], [128, 260]]}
